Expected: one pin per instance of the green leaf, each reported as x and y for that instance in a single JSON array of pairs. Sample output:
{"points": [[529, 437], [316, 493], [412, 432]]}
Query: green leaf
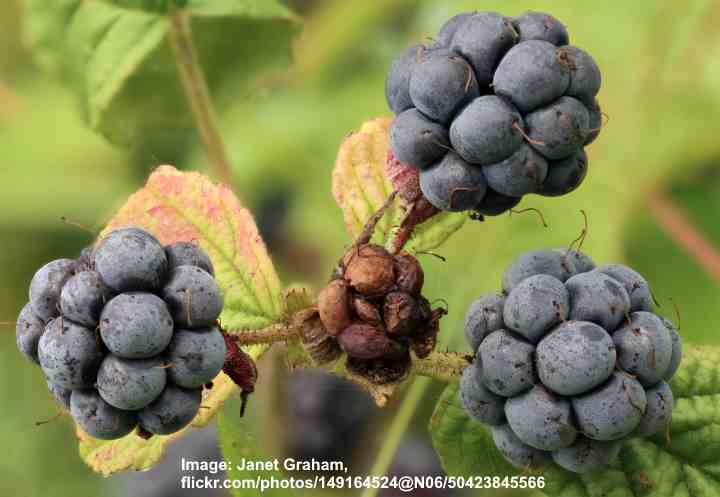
{"points": [[238, 443], [189, 206], [684, 462], [433, 233], [148, 5], [116, 57], [465, 447], [177, 206], [360, 186]]}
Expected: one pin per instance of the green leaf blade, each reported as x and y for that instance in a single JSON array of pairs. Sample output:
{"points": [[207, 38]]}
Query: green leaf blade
{"points": [[431, 235], [115, 56], [147, 5], [464, 449]]}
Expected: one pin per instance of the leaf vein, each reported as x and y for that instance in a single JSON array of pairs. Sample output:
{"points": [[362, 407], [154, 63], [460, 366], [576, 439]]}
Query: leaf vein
{"points": [[240, 272]]}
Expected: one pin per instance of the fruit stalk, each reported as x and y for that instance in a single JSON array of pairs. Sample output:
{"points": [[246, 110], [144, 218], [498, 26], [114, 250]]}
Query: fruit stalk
{"points": [[197, 93], [280, 332], [443, 366]]}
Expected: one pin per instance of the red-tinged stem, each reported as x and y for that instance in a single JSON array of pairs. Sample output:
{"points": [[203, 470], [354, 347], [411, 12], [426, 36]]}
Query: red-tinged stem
{"points": [[678, 226], [420, 211]]}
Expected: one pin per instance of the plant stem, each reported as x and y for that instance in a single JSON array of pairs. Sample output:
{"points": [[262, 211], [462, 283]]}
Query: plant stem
{"points": [[418, 212], [676, 224], [397, 429], [197, 93], [443, 366], [372, 223], [280, 332]]}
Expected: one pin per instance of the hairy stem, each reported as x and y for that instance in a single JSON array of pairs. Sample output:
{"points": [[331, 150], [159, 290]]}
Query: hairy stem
{"points": [[443, 366], [393, 436], [280, 332], [372, 223], [418, 212], [197, 93]]}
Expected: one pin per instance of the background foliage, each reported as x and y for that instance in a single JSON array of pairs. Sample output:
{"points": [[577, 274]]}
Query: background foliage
{"points": [[283, 126]]}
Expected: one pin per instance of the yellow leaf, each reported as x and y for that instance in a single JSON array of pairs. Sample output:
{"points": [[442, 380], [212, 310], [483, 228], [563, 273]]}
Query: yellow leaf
{"points": [[360, 185]]}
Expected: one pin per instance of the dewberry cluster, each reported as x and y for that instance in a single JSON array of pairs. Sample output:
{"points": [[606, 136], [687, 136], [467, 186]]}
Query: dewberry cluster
{"points": [[126, 335], [496, 108], [375, 310], [570, 361]]}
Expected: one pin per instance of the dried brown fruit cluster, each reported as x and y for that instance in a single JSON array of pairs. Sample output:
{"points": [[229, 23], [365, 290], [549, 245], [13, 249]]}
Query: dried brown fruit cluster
{"points": [[375, 310]]}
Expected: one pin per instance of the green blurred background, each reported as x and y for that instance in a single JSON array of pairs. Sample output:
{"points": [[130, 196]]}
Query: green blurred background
{"points": [[661, 67]]}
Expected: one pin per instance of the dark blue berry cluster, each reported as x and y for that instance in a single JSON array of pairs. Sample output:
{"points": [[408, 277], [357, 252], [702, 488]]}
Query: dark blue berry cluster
{"points": [[126, 334], [495, 109]]}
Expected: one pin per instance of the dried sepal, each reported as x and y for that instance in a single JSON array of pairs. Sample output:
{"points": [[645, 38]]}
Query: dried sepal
{"points": [[385, 370], [319, 345]]}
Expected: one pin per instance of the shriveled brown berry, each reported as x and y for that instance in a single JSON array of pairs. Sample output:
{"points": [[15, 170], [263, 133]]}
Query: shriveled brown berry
{"points": [[424, 344], [366, 311], [334, 306], [425, 340], [364, 341], [370, 270], [426, 312], [401, 313], [409, 275], [388, 369]]}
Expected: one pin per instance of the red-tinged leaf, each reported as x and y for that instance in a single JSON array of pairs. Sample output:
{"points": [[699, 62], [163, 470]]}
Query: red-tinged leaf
{"points": [[178, 206]]}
